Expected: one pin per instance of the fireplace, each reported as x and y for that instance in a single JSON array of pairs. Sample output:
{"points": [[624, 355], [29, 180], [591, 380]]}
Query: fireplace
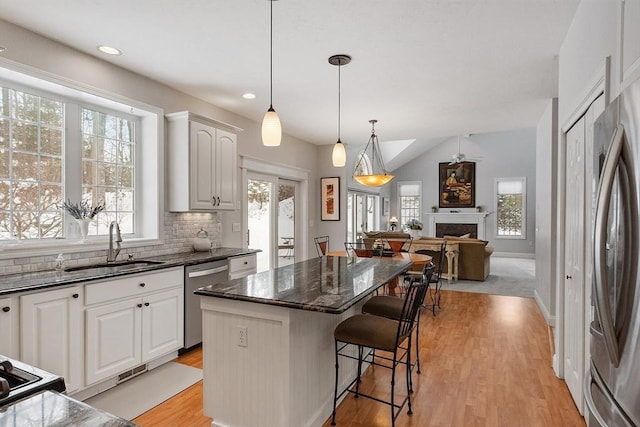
{"points": [[448, 229], [457, 224]]}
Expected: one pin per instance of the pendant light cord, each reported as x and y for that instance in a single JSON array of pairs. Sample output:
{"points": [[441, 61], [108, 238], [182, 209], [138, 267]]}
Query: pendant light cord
{"points": [[271, 57], [339, 66]]}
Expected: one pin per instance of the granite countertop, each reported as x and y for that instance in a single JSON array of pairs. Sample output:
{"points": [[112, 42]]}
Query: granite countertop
{"points": [[326, 284], [50, 408], [21, 282]]}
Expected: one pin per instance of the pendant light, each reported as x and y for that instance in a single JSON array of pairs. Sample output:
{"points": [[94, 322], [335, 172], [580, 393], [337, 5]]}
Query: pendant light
{"points": [[271, 129], [371, 178], [339, 155]]}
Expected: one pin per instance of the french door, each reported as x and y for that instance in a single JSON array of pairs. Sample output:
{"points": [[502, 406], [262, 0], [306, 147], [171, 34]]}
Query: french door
{"points": [[362, 214], [272, 208]]}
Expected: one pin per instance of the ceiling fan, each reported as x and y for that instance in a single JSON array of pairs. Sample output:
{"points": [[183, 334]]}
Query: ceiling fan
{"points": [[461, 157]]}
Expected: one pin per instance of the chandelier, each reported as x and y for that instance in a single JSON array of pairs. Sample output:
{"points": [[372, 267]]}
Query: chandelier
{"points": [[371, 173]]}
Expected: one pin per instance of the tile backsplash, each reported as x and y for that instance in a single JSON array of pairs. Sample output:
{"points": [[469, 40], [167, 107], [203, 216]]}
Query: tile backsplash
{"points": [[178, 232]]}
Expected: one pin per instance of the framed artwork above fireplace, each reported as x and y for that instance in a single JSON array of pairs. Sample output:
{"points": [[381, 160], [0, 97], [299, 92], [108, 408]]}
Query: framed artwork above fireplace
{"points": [[457, 185]]}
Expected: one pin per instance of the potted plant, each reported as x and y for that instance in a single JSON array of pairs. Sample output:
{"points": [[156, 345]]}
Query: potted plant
{"points": [[414, 227], [434, 209], [83, 213]]}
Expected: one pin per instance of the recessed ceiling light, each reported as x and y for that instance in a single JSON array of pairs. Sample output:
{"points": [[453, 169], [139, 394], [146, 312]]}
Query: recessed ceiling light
{"points": [[108, 50], [248, 96]]}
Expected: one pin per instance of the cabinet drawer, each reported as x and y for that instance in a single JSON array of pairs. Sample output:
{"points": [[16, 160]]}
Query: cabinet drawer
{"points": [[241, 263], [133, 285]]}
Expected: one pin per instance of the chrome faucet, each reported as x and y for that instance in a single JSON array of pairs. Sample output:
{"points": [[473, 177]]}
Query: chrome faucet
{"points": [[112, 254]]}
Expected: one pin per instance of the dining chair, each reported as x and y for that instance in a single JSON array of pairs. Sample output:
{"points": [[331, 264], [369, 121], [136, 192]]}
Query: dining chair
{"points": [[358, 249], [399, 244], [322, 244], [391, 306], [366, 331], [436, 278]]}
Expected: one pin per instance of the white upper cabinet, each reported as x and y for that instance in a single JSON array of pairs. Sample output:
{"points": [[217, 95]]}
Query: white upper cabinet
{"points": [[628, 42], [202, 163]]}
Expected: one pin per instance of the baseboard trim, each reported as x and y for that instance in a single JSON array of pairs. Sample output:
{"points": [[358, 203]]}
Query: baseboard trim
{"points": [[550, 319], [514, 255]]}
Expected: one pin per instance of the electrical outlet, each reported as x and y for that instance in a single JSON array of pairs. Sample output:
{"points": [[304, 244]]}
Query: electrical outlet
{"points": [[243, 336]]}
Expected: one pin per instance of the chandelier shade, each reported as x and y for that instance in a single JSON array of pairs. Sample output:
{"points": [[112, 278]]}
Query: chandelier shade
{"points": [[373, 174]]}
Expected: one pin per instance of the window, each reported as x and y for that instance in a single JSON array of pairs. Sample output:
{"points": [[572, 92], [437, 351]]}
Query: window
{"points": [[410, 201], [60, 143], [511, 207], [108, 168], [31, 166]]}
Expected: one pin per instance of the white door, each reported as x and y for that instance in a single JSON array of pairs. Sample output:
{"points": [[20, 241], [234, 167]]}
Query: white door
{"points": [[202, 175], [9, 332], [113, 338], [52, 331], [574, 311], [226, 170], [162, 323]]}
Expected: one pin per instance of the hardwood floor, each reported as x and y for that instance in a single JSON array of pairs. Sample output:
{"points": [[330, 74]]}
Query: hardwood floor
{"points": [[486, 361]]}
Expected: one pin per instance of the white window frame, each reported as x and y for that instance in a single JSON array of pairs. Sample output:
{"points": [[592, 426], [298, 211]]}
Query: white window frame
{"points": [[403, 221], [523, 180], [149, 173]]}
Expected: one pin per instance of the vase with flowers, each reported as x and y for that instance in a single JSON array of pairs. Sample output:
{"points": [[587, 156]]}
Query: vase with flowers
{"points": [[414, 227], [83, 213]]}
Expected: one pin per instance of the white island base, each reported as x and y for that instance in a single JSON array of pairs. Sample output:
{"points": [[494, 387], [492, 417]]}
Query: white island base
{"points": [[284, 376]]}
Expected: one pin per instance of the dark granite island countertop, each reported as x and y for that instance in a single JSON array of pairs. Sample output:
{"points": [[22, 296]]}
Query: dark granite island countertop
{"points": [[326, 284], [49, 409]]}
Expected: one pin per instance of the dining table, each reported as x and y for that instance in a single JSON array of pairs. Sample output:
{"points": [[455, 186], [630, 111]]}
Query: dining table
{"points": [[418, 262]]}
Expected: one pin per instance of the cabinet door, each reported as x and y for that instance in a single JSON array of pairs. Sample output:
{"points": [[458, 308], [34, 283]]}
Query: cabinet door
{"points": [[9, 328], [113, 338], [162, 323], [52, 333], [202, 146], [226, 170]]}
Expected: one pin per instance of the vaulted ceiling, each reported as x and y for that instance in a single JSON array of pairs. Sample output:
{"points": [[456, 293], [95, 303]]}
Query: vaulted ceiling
{"points": [[426, 69]]}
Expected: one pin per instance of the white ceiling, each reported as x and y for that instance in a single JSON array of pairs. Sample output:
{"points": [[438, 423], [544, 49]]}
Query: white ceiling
{"points": [[426, 69]]}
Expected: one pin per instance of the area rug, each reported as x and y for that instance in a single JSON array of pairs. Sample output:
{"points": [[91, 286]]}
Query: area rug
{"points": [[509, 276], [136, 396]]}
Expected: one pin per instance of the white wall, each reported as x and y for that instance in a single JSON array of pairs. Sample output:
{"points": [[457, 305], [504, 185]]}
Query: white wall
{"points": [[590, 39], [28, 51], [546, 176], [504, 154]]}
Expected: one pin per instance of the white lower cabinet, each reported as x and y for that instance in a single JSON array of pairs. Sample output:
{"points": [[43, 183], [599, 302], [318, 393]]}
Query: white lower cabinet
{"points": [[52, 333], [9, 331], [124, 333]]}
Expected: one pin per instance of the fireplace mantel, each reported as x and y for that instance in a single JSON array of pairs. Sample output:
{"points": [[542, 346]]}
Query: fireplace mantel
{"points": [[478, 218]]}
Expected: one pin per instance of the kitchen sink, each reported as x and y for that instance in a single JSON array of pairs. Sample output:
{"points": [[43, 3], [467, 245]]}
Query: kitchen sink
{"points": [[117, 265]]}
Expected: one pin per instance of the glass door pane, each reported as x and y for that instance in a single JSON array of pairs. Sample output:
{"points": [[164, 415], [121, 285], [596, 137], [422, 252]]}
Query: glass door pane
{"points": [[286, 222], [260, 218]]}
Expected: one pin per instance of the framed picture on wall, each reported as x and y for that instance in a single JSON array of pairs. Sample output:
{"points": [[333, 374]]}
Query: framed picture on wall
{"points": [[457, 185], [385, 206], [330, 198]]}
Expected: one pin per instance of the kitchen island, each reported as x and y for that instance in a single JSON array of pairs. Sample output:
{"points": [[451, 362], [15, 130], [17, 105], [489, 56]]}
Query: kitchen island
{"points": [[268, 339]]}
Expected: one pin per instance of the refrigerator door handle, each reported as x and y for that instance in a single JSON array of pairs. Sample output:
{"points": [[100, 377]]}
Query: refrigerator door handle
{"points": [[605, 188], [588, 398]]}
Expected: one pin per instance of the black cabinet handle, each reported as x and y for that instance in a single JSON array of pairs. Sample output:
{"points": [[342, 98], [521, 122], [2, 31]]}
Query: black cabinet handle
{"points": [[146, 304], [245, 263], [142, 285], [75, 295], [218, 200], [139, 305], [569, 277], [6, 309]]}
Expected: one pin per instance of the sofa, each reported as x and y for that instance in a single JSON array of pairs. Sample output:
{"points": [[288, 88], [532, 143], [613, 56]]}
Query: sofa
{"points": [[474, 255]]}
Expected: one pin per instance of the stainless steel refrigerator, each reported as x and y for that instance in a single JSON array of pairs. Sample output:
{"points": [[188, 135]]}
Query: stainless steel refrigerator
{"points": [[612, 386]]}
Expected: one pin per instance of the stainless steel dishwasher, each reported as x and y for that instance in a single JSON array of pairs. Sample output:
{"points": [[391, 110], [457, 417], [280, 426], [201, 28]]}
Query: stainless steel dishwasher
{"points": [[197, 276]]}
